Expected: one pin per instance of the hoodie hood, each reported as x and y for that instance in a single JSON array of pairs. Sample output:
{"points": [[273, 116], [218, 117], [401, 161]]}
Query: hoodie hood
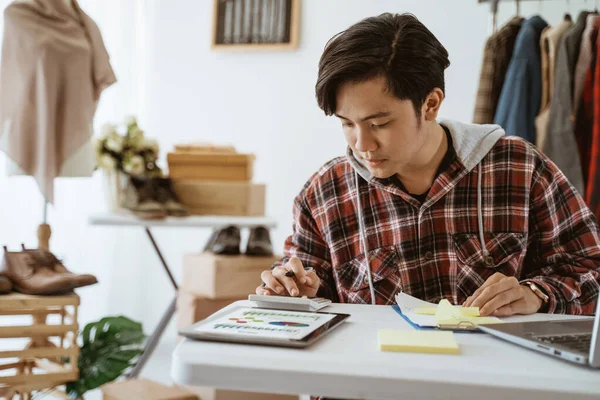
{"points": [[471, 143]]}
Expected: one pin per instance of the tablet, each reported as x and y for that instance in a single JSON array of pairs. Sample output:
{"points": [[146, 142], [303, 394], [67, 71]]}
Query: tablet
{"points": [[253, 325]]}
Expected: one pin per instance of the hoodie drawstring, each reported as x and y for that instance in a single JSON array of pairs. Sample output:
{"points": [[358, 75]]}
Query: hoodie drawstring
{"points": [[480, 213], [363, 238]]}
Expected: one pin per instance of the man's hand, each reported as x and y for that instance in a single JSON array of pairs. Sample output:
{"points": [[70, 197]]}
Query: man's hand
{"points": [[303, 283], [502, 296]]}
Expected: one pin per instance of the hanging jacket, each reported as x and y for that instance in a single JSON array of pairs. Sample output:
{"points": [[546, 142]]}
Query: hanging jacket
{"points": [[560, 144], [548, 45], [592, 193], [501, 206], [496, 58], [520, 98]]}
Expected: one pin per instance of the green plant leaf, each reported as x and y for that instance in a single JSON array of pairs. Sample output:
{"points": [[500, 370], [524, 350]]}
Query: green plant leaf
{"points": [[110, 347]]}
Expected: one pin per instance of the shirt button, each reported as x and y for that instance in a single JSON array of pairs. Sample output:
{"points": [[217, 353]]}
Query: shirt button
{"points": [[489, 261], [429, 255], [366, 279]]}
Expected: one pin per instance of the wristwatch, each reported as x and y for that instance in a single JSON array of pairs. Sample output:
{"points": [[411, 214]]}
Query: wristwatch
{"points": [[539, 293]]}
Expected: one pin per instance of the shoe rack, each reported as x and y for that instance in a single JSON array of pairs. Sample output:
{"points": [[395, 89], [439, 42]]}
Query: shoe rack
{"points": [[49, 357]]}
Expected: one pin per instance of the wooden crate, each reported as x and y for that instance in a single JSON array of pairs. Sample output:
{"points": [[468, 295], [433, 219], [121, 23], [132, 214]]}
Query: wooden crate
{"points": [[49, 357], [210, 166], [215, 276], [144, 389], [221, 198]]}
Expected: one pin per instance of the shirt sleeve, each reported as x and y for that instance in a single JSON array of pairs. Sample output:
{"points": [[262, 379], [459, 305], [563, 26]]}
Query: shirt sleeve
{"points": [[564, 253], [307, 244]]}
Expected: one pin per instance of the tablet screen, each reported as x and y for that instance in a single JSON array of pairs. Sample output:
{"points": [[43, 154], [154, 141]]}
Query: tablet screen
{"points": [[266, 323]]}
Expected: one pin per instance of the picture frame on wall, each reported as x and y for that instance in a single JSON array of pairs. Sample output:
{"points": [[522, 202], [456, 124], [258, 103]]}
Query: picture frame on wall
{"points": [[256, 25]]}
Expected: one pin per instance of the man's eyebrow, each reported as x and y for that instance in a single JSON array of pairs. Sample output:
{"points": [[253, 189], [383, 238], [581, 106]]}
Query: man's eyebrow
{"points": [[376, 115]]}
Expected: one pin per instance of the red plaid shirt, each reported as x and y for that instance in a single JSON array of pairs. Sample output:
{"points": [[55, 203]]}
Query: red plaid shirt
{"points": [[592, 191], [536, 227]]}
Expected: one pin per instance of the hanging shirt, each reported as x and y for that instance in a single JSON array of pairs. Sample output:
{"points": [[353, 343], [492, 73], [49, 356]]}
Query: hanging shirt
{"points": [[496, 58], [54, 67], [520, 98], [548, 45], [560, 144]]}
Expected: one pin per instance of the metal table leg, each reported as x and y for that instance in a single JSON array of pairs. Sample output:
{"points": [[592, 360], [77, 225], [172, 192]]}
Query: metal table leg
{"points": [[153, 340]]}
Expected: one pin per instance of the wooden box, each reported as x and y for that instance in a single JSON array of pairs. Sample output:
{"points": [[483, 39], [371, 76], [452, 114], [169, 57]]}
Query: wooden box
{"points": [[210, 166], [39, 349], [223, 277], [192, 308], [222, 394], [221, 198], [144, 389]]}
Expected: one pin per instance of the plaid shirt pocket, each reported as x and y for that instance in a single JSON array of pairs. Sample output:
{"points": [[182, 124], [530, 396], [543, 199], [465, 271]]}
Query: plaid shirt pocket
{"points": [[506, 253], [353, 278]]}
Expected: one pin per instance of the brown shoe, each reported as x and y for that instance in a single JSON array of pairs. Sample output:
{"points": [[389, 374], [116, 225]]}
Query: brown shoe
{"points": [[38, 271], [5, 285], [141, 199], [167, 197]]}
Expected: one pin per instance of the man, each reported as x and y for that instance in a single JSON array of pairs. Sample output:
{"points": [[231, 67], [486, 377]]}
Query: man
{"points": [[437, 209]]}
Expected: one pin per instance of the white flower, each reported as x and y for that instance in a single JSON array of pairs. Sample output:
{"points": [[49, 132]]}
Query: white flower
{"points": [[134, 166], [150, 144], [130, 120], [108, 130], [107, 162], [114, 143]]}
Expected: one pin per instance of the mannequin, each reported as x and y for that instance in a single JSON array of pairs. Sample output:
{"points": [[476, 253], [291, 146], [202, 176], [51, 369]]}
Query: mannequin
{"points": [[54, 67]]}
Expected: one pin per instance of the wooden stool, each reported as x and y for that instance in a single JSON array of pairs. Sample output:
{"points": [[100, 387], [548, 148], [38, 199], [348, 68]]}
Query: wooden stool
{"points": [[42, 363]]}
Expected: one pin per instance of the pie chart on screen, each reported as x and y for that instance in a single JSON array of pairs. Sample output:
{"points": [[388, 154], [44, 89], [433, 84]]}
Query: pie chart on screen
{"points": [[291, 324]]}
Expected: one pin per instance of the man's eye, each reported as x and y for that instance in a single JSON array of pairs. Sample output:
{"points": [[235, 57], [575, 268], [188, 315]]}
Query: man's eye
{"points": [[346, 124], [379, 126]]}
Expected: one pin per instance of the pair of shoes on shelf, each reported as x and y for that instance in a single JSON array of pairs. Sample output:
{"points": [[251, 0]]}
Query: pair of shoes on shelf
{"points": [[227, 242], [38, 271], [152, 198]]}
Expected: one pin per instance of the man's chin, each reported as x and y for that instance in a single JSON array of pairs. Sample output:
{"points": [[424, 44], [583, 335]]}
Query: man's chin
{"points": [[380, 173]]}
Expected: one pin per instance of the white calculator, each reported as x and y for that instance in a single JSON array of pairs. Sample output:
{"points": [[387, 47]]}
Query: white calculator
{"points": [[290, 303]]}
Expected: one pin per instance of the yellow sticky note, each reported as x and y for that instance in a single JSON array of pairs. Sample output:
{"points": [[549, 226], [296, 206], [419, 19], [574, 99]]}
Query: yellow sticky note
{"points": [[438, 342], [447, 314], [424, 310]]}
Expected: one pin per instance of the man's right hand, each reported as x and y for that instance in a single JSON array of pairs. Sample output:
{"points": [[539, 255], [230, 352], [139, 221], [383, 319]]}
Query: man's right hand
{"points": [[304, 283]]}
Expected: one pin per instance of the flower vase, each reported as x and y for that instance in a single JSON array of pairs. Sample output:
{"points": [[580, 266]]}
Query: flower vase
{"points": [[114, 189]]}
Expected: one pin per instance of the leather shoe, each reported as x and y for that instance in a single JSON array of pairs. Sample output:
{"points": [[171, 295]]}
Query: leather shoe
{"points": [[38, 271], [167, 197], [5, 285], [227, 241], [259, 242], [141, 198]]}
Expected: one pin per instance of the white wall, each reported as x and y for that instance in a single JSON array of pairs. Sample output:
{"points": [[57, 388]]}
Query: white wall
{"points": [[260, 102]]}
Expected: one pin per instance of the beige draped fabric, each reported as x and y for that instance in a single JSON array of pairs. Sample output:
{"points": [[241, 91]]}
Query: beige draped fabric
{"points": [[53, 70]]}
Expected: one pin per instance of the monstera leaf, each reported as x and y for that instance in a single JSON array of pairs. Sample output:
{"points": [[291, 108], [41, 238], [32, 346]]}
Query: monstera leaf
{"points": [[109, 347]]}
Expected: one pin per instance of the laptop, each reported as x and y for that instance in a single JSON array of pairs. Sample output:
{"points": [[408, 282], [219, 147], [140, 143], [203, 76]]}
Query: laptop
{"points": [[577, 341]]}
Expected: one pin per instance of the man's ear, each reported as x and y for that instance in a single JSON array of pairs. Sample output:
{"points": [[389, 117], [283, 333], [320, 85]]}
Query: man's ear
{"points": [[432, 104]]}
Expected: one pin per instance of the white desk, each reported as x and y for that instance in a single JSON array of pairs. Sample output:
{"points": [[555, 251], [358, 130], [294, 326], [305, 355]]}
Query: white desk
{"points": [[193, 221], [348, 364]]}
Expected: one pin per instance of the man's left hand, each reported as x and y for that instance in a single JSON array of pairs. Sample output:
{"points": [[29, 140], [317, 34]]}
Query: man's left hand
{"points": [[502, 296]]}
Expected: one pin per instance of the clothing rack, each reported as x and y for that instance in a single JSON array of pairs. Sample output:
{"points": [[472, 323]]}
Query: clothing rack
{"points": [[494, 8]]}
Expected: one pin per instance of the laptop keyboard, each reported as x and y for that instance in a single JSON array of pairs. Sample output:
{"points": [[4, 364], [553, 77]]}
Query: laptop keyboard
{"points": [[580, 342]]}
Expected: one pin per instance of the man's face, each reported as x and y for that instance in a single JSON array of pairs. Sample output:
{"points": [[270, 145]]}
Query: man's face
{"points": [[383, 131]]}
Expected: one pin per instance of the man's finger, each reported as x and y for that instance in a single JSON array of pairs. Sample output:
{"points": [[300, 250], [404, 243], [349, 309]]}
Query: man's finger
{"points": [[271, 282], [517, 307], [491, 291], [265, 291], [288, 283], [500, 300], [497, 277], [295, 265]]}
